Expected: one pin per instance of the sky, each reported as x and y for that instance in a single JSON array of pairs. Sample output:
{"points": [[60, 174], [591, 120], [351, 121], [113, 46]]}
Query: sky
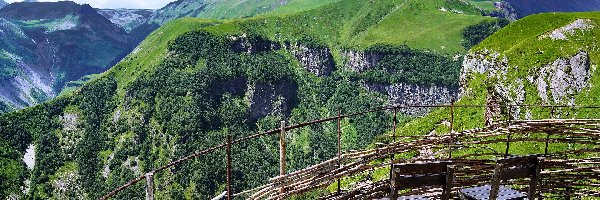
{"points": [[151, 4]]}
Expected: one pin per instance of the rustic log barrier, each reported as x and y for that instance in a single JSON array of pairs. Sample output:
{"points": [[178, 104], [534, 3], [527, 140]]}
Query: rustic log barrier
{"points": [[570, 171]]}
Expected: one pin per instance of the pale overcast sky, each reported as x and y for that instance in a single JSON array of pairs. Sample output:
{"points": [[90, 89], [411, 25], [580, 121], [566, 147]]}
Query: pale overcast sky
{"points": [[152, 4]]}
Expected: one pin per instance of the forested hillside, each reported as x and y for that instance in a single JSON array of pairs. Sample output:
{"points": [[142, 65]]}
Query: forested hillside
{"points": [[193, 81]]}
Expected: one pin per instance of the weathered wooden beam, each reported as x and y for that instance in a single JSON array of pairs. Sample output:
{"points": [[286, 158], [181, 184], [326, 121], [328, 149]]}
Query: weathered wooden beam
{"points": [[282, 171], [150, 186]]}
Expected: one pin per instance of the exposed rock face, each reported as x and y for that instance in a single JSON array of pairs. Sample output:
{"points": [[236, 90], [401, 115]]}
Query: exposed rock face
{"points": [[557, 82], [505, 10], [247, 44], [360, 61], [71, 135], [127, 19], [564, 78], [318, 61], [502, 91], [412, 94], [66, 186], [266, 99], [563, 32], [19, 91]]}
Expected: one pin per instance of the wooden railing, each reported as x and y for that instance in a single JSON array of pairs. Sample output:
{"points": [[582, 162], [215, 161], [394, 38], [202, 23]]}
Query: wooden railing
{"points": [[350, 164]]}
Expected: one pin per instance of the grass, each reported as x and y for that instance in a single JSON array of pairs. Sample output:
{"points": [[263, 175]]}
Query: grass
{"points": [[153, 50], [483, 4], [338, 23], [442, 32], [525, 52]]}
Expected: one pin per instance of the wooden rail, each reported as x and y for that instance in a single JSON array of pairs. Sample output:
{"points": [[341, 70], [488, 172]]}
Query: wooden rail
{"points": [[559, 175], [345, 165]]}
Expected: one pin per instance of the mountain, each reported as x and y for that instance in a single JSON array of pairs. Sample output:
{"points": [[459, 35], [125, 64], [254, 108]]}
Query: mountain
{"points": [[48, 44], [222, 9], [193, 81], [516, 9], [128, 19], [543, 59]]}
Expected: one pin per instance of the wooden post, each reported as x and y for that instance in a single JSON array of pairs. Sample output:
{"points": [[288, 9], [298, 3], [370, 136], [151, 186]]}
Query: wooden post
{"points": [[508, 128], [451, 130], [548, 133], [339, 148], [392, 189], [495, 186], [568, 193], [150, 186], [282, 155], [447, 193], [535, 179], [229, 180]]}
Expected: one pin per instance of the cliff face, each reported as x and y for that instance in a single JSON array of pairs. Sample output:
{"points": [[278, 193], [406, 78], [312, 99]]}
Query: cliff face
{"points": [[555, 83], [360, 61], [414, 94], [318, 61]]}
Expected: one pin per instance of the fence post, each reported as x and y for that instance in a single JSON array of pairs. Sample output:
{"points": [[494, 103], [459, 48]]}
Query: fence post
{"points": [[339, 148], [392, 155], [282, 155], [508, 128], [150, 186], [548, 133], [229, 180], [451, 129]]}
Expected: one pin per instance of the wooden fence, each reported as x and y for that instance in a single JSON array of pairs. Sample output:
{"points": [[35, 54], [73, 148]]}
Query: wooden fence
{"points": [[567, 174]]}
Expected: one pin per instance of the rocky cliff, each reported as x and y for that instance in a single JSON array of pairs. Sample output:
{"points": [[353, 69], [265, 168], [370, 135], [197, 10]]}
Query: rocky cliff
{"points": [[128, 19], [555, 83], [415, 94]]}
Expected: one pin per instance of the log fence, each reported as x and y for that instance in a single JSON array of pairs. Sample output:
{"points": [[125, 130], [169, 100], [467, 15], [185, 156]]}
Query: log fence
{"points": [[571, 172]]}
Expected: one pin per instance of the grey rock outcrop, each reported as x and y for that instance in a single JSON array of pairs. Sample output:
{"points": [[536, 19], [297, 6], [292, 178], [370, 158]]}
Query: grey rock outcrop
{"points": [[318, 61], [564, 32], [359, 61], [557, 83], [505, 10], [267, 99], [563, 79], [413, 94]]}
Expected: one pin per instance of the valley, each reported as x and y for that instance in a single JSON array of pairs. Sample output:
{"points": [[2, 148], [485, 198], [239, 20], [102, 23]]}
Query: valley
{"points": [[105, 110]]}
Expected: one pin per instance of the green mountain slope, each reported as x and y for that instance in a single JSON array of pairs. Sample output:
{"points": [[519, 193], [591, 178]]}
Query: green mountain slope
{"points": [[543, 59], [193, 81], [523, 64]]}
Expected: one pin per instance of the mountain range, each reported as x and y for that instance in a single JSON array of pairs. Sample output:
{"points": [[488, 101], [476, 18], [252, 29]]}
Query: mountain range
{"points": [[191, 78], [192, 82], [33, 72], [48, 44]]}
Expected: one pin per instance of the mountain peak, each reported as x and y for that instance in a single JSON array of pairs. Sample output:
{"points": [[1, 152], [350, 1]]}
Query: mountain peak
{"points": [[39, 10]]}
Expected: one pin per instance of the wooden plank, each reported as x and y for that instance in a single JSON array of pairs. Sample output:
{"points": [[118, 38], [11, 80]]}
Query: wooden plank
{"points": [[421, 168], [514, 173], [407, 182]]}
